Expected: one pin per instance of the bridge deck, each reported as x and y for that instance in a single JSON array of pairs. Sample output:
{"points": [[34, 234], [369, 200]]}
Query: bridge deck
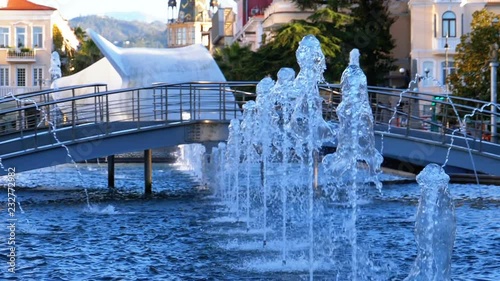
{"points": [[39, 129]]}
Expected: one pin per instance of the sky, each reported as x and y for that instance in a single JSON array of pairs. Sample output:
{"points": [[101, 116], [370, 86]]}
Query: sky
{"points": [[74, 8]]}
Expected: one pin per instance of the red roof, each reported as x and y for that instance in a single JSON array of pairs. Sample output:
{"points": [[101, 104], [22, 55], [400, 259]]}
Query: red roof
{"points": [[25, 5]]}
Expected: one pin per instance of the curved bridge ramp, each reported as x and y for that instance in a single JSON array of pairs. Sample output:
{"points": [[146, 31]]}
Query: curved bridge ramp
{"points": [[39, 129], [413, 129], [48, 128]]}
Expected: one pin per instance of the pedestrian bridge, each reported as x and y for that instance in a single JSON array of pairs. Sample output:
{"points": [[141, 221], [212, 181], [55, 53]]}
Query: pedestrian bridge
{"points": [[57, 126]]}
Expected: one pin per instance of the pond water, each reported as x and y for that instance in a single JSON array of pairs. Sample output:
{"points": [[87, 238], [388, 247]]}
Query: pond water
{"points": [[183, 232]]}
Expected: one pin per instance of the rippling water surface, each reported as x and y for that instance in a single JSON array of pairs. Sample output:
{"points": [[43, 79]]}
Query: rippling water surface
{"points": [[183, 232]]}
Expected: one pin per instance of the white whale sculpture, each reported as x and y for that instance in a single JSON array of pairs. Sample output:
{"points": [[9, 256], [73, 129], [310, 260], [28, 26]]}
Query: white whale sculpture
{"points": [[139, 67]]}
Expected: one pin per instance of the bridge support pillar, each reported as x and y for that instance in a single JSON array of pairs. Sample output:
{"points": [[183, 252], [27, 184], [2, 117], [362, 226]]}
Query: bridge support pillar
{"points": [[111, 171], [148, 171]]}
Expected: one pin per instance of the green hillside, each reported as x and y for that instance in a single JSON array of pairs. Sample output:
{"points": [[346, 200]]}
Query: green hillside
{"points": [[125, 33]]}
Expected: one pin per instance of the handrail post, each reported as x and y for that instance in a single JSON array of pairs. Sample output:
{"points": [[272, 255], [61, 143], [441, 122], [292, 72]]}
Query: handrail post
{"points": [[73, 113], [95, 109], [133, 106], [180, 102], [73, 117], [138, 110], [191, 112], [224, 102], [409, 118], [107, 114], [199, 105], [220, 101], [166, 104]]}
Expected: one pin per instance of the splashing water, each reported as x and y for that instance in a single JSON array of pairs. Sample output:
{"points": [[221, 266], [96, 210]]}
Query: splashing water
{"points": [[276, 149], [190, 158], [435, 227], [281, 135], [356, 160], [356, 140], [53, 130]]}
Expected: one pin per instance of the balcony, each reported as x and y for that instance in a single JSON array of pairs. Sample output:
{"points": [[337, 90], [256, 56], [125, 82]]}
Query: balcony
{"points": [[222, 25], [21, 55], [438, 45], [281, 12]]}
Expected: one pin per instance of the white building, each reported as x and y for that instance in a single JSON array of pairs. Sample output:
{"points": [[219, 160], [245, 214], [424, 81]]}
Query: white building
{"points": [[26, 44]]}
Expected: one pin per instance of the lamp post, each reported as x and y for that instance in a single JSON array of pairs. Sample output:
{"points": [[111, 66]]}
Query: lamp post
{"points": [[446, 47], [494, 66]]}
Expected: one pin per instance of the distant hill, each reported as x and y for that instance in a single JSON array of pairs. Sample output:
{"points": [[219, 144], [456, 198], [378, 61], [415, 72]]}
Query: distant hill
{"points": [[134, 16], [125, 33]]}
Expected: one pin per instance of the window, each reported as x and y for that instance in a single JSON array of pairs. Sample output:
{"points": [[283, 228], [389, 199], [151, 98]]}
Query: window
{"points": [[37, 76], [170, 36], [428, 73], [181, 36], [4, 37], [37, 37], [4, 76], [21, 77], [20, 37], [447, 70], [193, 35], [462, 25], [449, 24]]}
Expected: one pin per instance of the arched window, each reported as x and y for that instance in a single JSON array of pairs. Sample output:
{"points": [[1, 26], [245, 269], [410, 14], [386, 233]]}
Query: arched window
{"points": [[449, 24]]}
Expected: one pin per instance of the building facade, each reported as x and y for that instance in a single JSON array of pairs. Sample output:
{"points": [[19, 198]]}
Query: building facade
{"points": [[25, 46], [189, 22], [436, 28]]}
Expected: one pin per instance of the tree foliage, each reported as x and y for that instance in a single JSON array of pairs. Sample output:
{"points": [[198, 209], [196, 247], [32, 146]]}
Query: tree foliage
{"points": [[57, 38], [337, 29], [236, 62], [87, 53], [473, 54], [66, 53], [280, 51], [370, 33]]}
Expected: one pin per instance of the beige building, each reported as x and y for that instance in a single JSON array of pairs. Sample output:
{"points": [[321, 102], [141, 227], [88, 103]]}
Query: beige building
{"points": [[436, 28], [265, 19], [189, 22], [256, 28], [26, 45]]}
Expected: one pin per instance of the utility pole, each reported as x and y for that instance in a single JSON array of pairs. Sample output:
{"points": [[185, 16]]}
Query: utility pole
{"points": [[493, 94], [446, 66], [494, 66]]}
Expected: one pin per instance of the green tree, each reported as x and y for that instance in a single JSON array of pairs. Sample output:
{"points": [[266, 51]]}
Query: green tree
{"points": [[66, 53], [57, 38], [315, 4], [370, 33], [80, 34], [236, 62], [472, 76], [87, 53], [325, 23]]}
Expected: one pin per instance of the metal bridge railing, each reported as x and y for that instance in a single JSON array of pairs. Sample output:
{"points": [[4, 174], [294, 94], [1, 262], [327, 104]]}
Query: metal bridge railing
{"points": [[443, 114], [162, 104], [29, 115]]}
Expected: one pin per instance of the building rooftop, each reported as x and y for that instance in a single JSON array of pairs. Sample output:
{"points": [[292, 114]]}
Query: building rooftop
{"points": [[18, 5]]}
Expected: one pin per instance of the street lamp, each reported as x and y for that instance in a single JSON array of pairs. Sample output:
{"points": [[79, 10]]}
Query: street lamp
{"points": [[494, 66], [446, 47]]}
